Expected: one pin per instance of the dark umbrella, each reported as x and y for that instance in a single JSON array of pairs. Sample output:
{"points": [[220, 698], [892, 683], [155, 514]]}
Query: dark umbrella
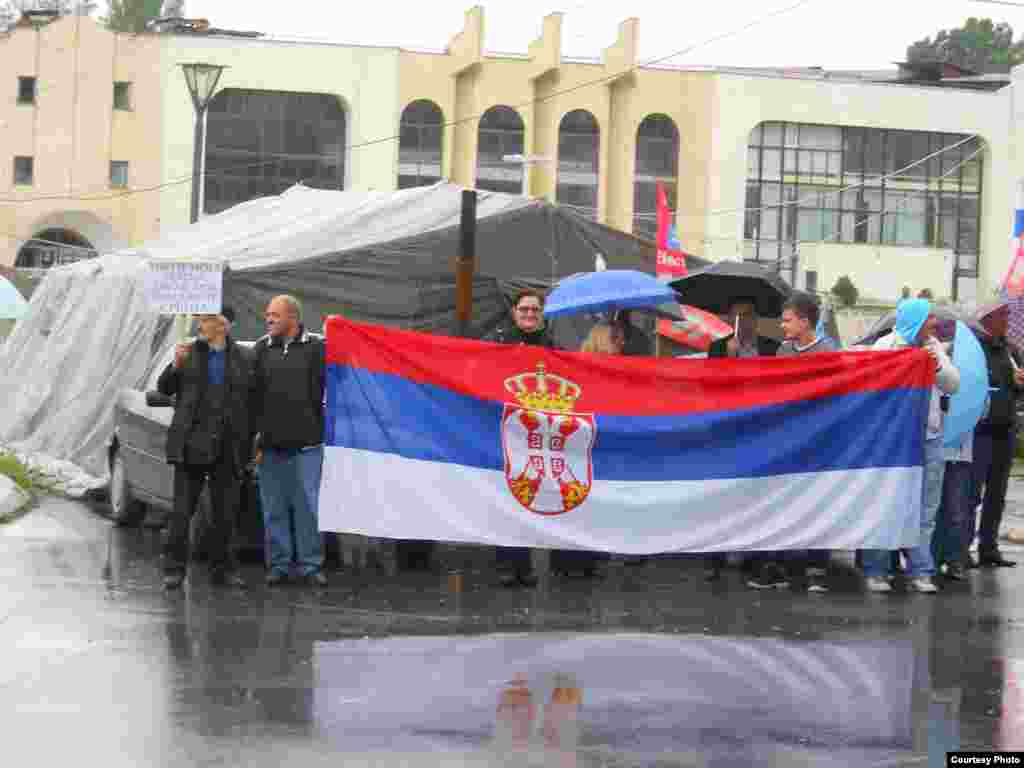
{"points": [[947, 316], [714, 288]]}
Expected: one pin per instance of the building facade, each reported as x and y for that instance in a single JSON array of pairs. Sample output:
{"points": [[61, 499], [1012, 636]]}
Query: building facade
{"points": [[814, 173]]}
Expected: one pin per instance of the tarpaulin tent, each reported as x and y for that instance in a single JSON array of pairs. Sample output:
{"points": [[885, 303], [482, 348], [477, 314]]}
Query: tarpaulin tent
{"points": [[382, 257]]}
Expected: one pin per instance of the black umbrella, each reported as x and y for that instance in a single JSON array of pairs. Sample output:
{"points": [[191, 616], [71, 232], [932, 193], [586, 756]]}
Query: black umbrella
{"points": [[714, 288], [947, 316]]}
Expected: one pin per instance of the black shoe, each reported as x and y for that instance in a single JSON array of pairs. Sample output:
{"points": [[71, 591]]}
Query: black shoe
{"points": [[955, 572], [526, 579], [970, 563], [995, 560], [317, 579], [174, 579], [227, 579], [770, 577], [275, 579]]}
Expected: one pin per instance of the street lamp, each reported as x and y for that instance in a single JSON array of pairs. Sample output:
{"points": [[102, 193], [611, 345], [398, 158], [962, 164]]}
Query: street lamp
{"points": [[202, 81]]}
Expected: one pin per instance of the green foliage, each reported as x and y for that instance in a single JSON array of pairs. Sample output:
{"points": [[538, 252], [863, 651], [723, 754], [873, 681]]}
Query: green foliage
{"points": [[979, 45], [132, 15], [845, 291]]}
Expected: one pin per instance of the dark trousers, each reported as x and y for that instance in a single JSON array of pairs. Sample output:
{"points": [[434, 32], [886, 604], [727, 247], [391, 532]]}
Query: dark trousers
{"points": [[225, 487], [513, 559], [993, 459], [950, 541]]}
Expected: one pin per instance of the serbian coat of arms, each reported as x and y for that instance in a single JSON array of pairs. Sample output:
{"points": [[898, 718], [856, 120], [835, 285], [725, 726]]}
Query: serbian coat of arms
{"points": [[548, 447]]}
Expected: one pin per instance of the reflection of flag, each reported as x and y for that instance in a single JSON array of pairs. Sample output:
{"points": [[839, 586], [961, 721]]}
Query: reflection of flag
{"points": [[447, 439]]}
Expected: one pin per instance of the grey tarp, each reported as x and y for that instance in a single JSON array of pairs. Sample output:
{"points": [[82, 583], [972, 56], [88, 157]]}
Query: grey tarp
{"points": [[373, 256]]}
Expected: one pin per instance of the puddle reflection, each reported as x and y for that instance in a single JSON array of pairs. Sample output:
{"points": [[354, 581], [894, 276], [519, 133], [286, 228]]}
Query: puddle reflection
{"points": [[642, 699]]}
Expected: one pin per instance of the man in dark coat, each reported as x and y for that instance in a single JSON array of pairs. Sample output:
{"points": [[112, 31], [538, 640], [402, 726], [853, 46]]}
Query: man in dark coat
{"points": [[743, 316], [994, 440], [208, 444], [526, 326]]}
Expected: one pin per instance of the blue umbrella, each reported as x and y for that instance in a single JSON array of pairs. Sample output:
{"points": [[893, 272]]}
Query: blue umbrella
{"points": [[12, 304], [968, 404], [607, 291]]}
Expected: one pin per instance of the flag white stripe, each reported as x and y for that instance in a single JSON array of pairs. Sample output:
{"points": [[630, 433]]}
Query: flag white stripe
{"points": [[384, 495]]}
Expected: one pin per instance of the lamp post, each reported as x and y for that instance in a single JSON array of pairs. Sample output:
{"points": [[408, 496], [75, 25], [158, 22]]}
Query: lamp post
{"points": [[202, 81]]}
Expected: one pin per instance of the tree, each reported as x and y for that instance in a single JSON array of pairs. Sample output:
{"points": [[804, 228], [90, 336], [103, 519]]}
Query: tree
{"points": [[845, 291], [132, 15], [12, 10], [979, 45]]}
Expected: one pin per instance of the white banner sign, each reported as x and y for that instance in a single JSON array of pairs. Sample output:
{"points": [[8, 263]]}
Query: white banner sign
{"points": [[185, 287]]}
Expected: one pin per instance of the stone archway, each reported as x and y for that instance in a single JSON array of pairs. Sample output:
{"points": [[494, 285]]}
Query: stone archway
{"points": [[53, 247], [65, 236]]}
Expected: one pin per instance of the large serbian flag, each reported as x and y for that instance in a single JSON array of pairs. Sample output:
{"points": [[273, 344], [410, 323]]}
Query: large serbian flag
{"points": [[432, 437]]}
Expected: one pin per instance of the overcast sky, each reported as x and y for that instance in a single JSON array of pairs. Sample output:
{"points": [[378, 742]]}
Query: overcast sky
{"points": [[830, 33]]}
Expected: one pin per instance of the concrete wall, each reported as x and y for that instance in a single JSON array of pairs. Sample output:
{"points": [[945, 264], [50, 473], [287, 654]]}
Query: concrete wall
{"points": [[73, 133], [365, 80]]}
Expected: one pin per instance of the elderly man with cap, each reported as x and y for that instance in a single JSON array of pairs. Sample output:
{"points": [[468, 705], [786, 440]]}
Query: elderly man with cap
{"points": [[915, 327], [208, 444], [994, 438]]}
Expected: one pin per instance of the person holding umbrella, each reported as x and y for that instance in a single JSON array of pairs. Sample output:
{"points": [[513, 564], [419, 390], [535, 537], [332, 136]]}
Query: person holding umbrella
{"points": [[915, 327], [744, 341], [995, 438]]}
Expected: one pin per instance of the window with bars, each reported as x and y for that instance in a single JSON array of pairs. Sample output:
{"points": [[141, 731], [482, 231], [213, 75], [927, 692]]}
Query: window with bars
{"points": [[579, 147], [501, 134], [419, 144], [898, 200], [657, 160], [260, 143]]}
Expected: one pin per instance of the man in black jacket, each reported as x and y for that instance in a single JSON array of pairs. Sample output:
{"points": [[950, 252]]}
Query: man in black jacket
{"points": [[288, 417], [742, 315], [994, 441], [208, 442], [526, 327]]}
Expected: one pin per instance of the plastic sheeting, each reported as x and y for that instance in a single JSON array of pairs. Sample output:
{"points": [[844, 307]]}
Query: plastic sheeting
{"points": [[375, 257]]}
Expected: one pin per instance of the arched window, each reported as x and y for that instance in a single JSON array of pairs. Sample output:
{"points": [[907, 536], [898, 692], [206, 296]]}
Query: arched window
{"points": [[419, 145], [579, 148], [501, 134], [657, 159], [53, 247], [259, 143]]}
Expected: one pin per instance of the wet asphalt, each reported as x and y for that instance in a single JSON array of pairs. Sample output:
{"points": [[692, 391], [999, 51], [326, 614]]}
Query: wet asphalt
{"points": [[649, 666]]}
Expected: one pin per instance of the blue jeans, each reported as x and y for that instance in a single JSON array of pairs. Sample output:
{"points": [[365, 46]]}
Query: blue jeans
{"points": [[949, 542], [877, 561], [290, 493]]}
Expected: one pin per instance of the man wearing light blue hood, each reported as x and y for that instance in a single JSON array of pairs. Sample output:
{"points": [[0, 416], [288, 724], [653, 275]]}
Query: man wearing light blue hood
{"points": [[915, 327]]}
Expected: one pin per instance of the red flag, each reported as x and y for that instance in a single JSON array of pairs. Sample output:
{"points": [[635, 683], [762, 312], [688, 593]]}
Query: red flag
{"points": [[671, 264], [1013, 283]]}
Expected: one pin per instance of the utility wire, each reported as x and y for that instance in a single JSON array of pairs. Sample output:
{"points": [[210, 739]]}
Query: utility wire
{"points": [[451, 123]]}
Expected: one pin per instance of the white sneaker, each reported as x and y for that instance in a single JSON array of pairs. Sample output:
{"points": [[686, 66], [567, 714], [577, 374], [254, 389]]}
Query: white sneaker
{"points": [[922, 584], [877, 584]]}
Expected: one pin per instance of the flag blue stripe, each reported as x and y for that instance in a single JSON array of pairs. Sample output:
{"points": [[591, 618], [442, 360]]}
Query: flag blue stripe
{"points": [[389, 414]]}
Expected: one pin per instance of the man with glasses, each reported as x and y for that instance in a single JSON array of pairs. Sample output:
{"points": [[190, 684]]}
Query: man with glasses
{"points": [[526, 327]]}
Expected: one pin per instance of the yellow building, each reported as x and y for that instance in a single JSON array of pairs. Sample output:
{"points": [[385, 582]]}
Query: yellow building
{"points": [[77, 131], [817, 173]]}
